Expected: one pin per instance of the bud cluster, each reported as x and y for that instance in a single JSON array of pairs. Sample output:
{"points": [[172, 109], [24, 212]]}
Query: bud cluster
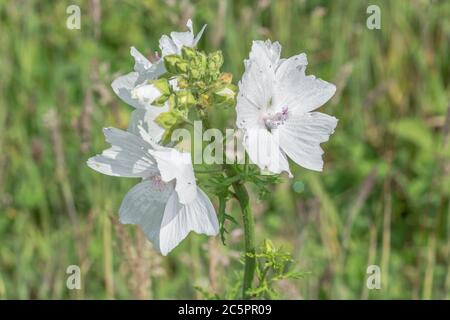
{"points": [[193, 79]]}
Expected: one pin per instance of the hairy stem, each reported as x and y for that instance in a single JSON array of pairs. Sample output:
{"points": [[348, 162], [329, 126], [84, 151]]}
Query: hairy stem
{"points": [[247, 217], [249, 234]]}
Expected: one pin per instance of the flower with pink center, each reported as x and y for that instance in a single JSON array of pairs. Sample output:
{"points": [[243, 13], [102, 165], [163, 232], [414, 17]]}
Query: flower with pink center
{"points": [[167, 204], [273, 121], [275, 108]]}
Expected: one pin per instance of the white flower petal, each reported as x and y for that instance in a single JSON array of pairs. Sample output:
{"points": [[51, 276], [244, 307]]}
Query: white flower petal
{"points": [[144, 205], [287, 67], [300, 137], [302, 93], [141, 63], [176, 41], [190, 25], [198, 216], [167, 46], [126, 158], [264, 150], [255, 93], [123, 85], [173, 164], [199, 35], [143, 123], [152, 73], [145, 93], [144, 70], [174, 84], [181, 39], [266, 54]]}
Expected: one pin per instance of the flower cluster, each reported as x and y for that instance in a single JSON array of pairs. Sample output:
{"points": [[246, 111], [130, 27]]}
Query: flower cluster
{"points": [[274, 102], [167, 204]]}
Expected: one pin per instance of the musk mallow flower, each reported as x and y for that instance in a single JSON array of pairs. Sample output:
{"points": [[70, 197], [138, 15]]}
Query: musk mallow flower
{"points": [[124, 85], [167, 204], [133, 88], [145, 93], [275, 109], [144, 70]]}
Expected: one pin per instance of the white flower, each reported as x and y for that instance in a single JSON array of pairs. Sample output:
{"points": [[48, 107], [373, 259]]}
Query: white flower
{"points": [[144, 70], [147, 92], [134, 89], [274, 109], [124, 85], [167, 204], [176, 41]]}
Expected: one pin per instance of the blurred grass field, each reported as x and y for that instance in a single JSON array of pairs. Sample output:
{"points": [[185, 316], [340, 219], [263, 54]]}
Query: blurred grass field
{"points": [[383, 198]]}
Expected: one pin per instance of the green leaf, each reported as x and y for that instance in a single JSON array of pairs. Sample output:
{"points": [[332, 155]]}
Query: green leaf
{"points": [[160, 101], [272, 264]]}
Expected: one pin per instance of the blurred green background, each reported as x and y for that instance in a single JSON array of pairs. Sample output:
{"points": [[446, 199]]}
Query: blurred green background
{"points": [[382, 199]]}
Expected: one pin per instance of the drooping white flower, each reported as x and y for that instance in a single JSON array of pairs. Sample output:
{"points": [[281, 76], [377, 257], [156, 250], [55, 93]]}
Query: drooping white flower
{"points": [[145, 92], [134, 89], [167, 204], [275, 108], [144, 70], [124, 85]]}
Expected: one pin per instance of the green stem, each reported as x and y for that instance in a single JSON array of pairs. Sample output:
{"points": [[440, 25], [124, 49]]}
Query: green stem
{"points": [[249, 234], [246, 164], [247, 217]]}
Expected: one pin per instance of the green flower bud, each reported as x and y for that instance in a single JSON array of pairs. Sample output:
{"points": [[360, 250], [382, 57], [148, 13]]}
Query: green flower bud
{"points": [[216, 58], [226, 77], [183, 83], [204, 100], [188, 53], [225, 96], [167, 119], [175, 64], [198, 66], [162, 85], [215, 61], [196, 73], [185, 99]]}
